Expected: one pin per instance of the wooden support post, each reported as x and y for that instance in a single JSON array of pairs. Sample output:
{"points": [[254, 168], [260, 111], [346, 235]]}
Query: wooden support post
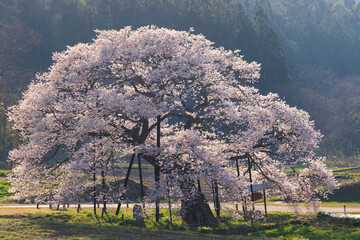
{"points": [[125, 182], [168, 193], [79, 207], [213, 192], [251, 186], [157, 202], [94, 189], [157, 170], [104, 188], [141, 182], [238, 174], [244, 208], [237, 167], [265, 203], [217, 208]]}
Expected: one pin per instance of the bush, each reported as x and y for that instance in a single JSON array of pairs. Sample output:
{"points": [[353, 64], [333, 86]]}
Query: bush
{"points": [[4, 173], [205, 229], [346, 193], [4, 188]]}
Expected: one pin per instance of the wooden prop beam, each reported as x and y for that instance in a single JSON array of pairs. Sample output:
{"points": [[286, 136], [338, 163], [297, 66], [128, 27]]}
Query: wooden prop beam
{"points": [[125, 183], [157, 170]]}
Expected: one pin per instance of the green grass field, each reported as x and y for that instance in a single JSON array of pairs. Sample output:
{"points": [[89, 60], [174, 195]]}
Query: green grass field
{"points": [[4, 187], [31, 223], [16, 223], [68, 225]]}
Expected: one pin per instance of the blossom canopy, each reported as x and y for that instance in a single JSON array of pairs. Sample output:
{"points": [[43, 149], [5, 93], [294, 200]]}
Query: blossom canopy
{"points": [[98, 104]]}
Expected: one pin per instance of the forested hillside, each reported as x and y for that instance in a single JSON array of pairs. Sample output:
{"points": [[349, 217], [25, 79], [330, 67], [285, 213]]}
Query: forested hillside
{"points": [[308, 49], [61, 23], [321, 41], [324, 33]]}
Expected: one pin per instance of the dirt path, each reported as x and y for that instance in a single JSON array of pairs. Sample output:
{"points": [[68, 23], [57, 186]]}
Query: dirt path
{"points": [[271, 208]]}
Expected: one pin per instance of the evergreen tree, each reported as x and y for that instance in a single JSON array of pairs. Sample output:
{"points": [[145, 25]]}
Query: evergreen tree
{"points": [[269, 53]]}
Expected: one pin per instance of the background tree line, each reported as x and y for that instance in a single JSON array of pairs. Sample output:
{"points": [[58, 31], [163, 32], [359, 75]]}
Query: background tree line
{"points": [[284, 36], [321, 41]]}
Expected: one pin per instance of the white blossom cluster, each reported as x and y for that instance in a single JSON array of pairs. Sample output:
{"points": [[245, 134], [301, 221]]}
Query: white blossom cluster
{"points": [[98, 103]]}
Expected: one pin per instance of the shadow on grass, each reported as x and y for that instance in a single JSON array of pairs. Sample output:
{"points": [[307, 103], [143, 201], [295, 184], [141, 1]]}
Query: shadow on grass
{"points": [[69, 225], [57, 225], [321, 227]]}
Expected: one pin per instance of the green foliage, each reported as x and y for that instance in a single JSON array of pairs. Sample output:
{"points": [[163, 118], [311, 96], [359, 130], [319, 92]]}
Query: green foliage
{"points": [[8, 137], [343, 169], [4, 173], [346, 193], [4, 188], [136, 166], [205, 229], [332, 27]]}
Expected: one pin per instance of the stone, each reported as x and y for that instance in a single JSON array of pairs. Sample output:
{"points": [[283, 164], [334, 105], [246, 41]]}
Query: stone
{"points": [[138, 215]]}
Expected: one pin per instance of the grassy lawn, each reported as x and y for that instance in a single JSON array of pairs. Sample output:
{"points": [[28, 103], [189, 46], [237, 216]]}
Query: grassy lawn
{"points": [[318, 228], [4, 187], [342, 169], [340, 204], [323, 204], [29, 223]]}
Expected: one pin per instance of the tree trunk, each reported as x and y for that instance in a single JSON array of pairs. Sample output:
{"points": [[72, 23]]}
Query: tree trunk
{"points": [[195, 210]]}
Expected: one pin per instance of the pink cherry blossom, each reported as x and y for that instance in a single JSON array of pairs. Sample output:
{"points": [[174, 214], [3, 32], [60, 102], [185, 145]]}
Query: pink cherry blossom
{"points": [[98, 103]]}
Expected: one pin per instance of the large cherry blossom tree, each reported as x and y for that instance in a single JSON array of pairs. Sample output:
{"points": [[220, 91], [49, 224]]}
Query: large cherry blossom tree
{"points": [[99, 103]]}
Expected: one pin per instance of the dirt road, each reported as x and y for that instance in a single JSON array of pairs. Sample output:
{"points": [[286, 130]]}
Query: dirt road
{"points": [[270, 208]]}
